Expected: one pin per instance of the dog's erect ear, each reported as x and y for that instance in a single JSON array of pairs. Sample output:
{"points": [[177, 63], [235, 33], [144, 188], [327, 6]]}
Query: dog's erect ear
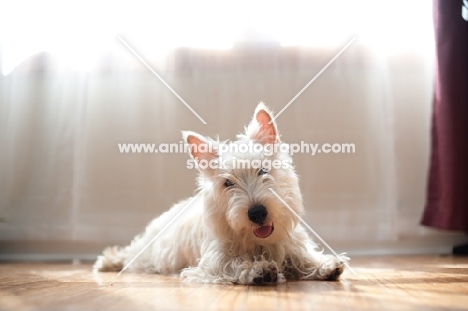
{"points": [[261, 128], [200, 147]]}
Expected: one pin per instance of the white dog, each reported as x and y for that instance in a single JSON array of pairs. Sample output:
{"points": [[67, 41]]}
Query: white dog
{"points": [[236, 230]]}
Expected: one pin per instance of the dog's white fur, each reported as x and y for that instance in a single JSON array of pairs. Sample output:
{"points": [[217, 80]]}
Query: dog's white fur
{"points": [[213, 240]]}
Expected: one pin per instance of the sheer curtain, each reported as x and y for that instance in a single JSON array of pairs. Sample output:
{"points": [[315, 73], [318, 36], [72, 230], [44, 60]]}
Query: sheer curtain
{"points": [[71, 91]]}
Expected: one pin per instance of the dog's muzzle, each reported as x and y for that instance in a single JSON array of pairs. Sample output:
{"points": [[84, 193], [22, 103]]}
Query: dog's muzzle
{"points": [[258, 214]]}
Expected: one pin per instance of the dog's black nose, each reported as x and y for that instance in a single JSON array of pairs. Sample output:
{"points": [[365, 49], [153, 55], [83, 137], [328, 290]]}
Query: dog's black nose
{"points": [[257, 214]]}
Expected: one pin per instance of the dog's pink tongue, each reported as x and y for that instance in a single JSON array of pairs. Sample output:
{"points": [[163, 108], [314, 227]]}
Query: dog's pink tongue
{"points": [[263, 231]]}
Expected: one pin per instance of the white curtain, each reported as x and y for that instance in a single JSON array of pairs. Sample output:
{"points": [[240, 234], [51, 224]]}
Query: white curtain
{"points": [[71, 91]]}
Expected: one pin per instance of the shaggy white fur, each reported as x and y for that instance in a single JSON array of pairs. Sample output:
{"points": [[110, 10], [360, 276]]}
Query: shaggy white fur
{"points": [[236, 230]]}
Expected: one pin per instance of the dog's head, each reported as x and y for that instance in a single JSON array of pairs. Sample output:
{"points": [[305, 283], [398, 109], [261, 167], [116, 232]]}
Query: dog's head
{"points": [[249, 184]]}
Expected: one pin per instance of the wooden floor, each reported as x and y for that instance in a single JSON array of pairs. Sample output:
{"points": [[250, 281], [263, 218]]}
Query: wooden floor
{"points": [[382, 283]]}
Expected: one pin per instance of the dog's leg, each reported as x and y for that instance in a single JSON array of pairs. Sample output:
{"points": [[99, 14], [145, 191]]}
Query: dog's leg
{"points": [[303, 261], [316, 266], [234, 271]]}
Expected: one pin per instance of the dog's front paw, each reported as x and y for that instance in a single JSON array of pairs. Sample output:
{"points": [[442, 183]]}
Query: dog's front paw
{"points": [[266, 273], [335, 274], [332, 267], [269, 275]]}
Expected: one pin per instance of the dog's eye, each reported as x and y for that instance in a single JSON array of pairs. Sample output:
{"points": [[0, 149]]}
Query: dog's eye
{"points": [[228, 183], [262, 171]]}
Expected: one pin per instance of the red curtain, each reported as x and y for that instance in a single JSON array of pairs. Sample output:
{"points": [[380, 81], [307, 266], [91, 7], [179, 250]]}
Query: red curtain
{"points": [[447, 196]]}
